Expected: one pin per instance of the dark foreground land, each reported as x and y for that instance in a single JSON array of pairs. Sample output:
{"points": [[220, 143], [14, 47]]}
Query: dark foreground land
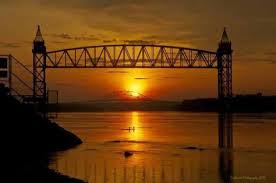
{"points": [[28, 141]]}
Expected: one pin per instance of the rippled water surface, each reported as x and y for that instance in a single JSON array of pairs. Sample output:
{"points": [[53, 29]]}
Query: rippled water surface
{"points": [[169, 147]]}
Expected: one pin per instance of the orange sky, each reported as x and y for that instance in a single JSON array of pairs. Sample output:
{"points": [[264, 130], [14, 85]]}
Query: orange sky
{"points": [[251, 27]]}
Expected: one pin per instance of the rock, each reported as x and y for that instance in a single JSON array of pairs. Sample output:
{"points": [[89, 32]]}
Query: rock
{"points": [[193, 148], [128, 154]]}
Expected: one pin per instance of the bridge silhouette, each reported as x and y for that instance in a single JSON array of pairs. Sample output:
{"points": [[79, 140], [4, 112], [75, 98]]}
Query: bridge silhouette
{"points": [[142, 56], [131, 56]]}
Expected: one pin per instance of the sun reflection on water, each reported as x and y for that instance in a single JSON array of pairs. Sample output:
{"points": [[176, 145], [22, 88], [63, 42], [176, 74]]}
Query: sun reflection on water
{"points": [[136, 133]]}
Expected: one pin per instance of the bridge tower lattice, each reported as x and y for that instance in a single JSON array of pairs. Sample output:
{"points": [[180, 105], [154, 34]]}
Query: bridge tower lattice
{"points": [[224, 59], [39, 68]]}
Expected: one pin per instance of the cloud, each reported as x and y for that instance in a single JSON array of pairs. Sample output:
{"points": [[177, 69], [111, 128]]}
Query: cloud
{"points": [[195, 24], [58, 42], [197, 17], [170, 77], [66, 36], [268, 57], [64, 84], [86, 38], [139, 42], [141, 78], [10, 44], [62, 36], [179, 36], [117, 72], [270, 53], [110, 41], [267, 60]]}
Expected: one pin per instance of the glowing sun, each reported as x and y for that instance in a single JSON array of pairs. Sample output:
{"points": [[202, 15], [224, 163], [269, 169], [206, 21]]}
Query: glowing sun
{"points": [[135, 90]]}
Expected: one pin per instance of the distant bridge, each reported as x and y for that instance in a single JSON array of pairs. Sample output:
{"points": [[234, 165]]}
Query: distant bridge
{"points": [[132, 56]]}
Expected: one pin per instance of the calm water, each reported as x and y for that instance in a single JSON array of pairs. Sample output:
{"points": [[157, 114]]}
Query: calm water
{"points": [[160, 142]]}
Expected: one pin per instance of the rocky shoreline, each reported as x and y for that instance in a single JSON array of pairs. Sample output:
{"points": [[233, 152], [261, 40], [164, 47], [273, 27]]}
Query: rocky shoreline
{"points": [[28, 143]]}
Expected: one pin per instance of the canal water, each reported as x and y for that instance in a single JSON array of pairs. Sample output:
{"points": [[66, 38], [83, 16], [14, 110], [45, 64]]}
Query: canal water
{"points": [[167, 147]]}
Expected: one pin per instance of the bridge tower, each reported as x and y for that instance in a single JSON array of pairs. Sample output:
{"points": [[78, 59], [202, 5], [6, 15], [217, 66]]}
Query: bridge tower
{"points": [[224, 58], [39, 67]]}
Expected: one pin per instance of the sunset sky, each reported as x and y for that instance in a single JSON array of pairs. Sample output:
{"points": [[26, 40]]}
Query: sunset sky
{"points": [[251, 26]]}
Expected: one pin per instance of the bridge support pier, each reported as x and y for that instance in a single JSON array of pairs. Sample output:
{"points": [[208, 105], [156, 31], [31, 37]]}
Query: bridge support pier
{"points": [[39, 72], [224, 59]]}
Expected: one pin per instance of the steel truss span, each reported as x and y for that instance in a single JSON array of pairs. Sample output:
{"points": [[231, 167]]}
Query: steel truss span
{"points": [[130, 56]]}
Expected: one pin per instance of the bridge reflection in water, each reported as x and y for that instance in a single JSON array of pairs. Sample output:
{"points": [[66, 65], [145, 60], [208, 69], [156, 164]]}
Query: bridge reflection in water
{"points": [[210, 165], [225, 135]]}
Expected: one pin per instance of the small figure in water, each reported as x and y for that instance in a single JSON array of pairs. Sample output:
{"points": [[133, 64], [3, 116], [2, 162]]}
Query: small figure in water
{"points": [[131, 128]]}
